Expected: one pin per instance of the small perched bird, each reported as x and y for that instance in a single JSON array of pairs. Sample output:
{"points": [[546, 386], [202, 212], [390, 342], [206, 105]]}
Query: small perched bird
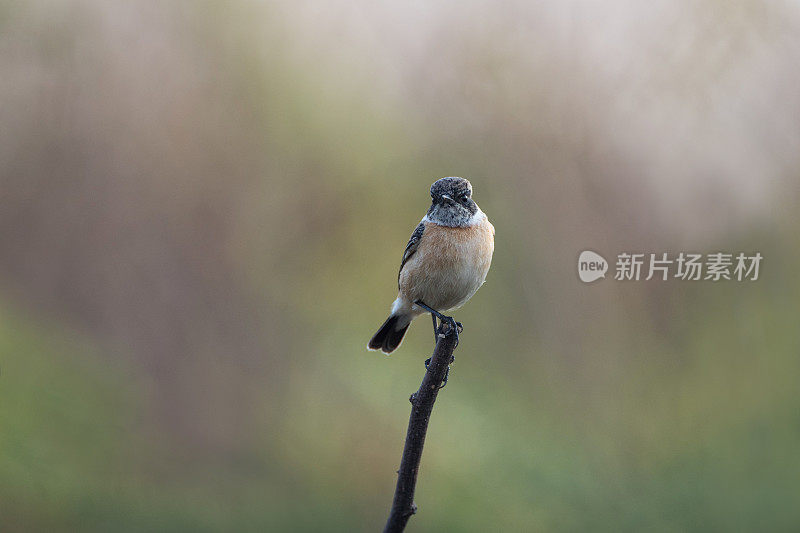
{"points": [[444, 263]]}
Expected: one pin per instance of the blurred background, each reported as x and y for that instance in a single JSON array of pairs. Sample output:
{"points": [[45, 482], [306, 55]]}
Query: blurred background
{"points": [[203, 206]]}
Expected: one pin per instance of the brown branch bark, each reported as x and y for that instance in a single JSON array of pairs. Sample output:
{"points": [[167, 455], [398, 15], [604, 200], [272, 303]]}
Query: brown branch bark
{"points": [[421, 407]]}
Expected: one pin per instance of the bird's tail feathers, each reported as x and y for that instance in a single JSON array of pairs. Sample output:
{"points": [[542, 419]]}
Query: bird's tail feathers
{"points": [[390, 334]]}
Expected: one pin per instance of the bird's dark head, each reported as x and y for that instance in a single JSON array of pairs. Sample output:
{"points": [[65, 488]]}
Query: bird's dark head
{"points": [[452, 202]]}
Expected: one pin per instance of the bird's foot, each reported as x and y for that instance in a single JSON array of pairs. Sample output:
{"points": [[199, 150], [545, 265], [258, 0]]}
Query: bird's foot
{"points": [[456, 327], [450, 321]]}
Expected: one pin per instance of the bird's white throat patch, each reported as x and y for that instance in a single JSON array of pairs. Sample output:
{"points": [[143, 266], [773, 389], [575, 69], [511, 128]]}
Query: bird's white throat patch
{"points": [[474, 220]]}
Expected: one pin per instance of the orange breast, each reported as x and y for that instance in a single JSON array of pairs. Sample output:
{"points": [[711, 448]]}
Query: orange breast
{"points": [[449, 265]]}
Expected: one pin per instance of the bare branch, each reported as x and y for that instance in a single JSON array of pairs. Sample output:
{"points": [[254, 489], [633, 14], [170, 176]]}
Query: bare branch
{"points": [[421, 407]]}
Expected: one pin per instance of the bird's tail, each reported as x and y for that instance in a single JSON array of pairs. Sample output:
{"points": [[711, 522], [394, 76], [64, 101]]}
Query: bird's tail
{"points": [[390, 334]]}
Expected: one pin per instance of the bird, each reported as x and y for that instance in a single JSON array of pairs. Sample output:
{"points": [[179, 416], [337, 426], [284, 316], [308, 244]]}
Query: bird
{"points": [[444, 263]]}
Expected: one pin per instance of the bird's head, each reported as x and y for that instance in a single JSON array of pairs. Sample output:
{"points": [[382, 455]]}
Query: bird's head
{"points": [[452, 203]]}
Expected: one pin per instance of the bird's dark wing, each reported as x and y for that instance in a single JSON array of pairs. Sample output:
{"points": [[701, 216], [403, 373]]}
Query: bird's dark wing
{"points": [[411, 247]]}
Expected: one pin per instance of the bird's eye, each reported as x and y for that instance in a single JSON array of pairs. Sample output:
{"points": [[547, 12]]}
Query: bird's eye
{"points": [[464, 196]]}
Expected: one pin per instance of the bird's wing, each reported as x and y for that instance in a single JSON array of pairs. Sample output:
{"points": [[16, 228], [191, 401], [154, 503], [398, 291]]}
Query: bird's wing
{"points": [[411, 247]]}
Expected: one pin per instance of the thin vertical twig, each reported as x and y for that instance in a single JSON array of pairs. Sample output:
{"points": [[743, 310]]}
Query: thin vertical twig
{"points": [[421, 407]]}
